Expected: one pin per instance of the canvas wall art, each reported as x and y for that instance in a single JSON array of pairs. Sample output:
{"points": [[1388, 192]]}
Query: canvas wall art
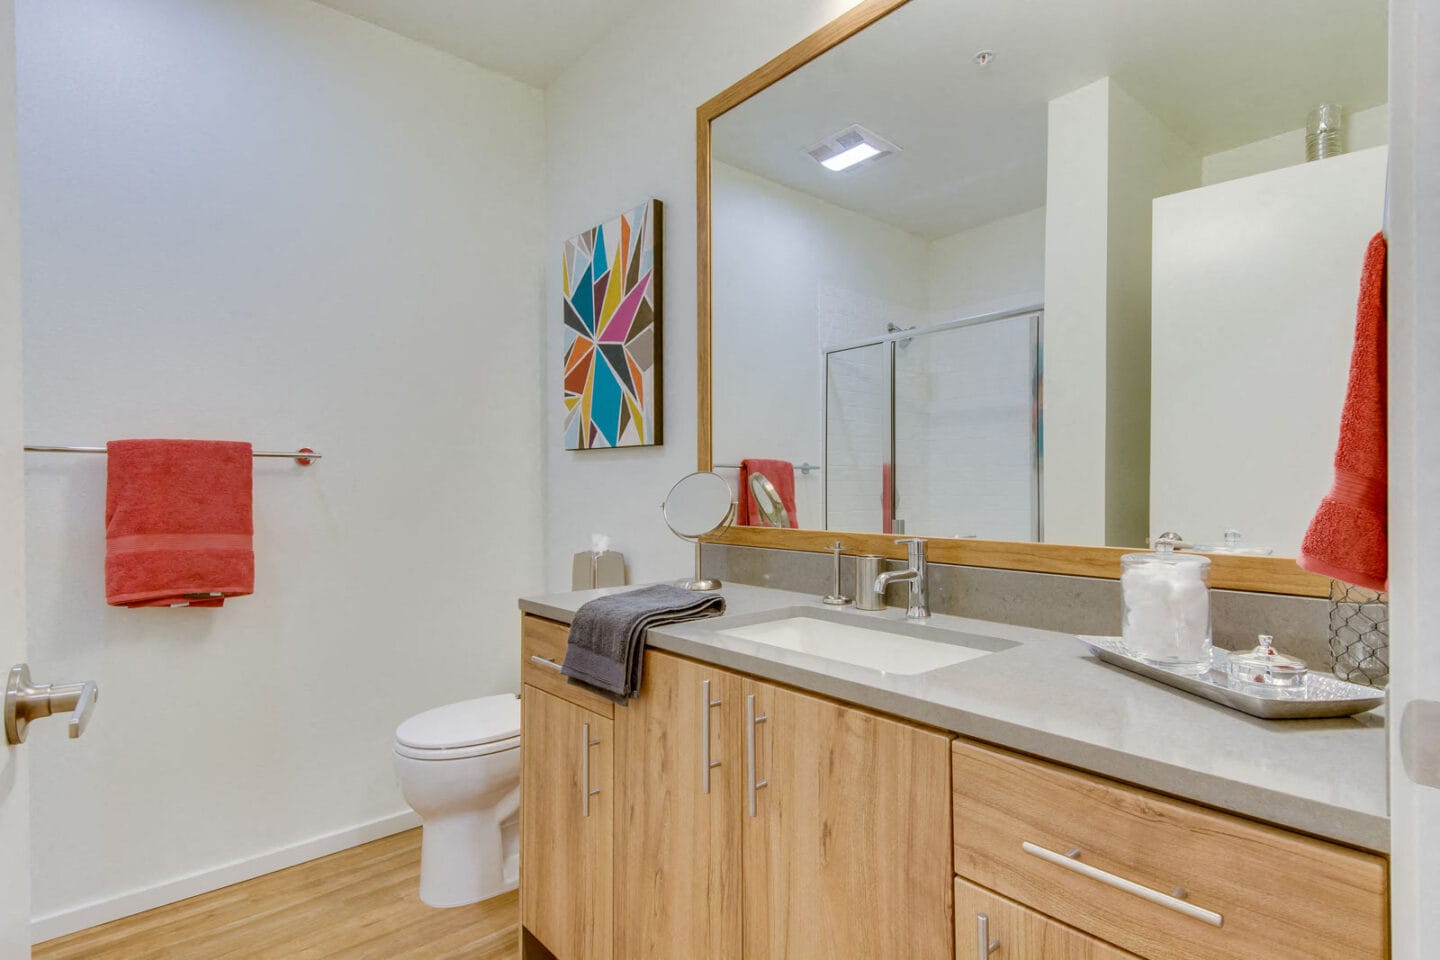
{"points": [[612, 332]]}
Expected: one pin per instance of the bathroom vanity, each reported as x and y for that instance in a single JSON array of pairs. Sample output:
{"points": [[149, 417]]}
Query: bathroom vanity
{"points": [[764, 799]]}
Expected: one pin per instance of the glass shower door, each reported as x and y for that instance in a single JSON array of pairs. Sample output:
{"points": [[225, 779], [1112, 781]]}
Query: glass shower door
{"points": [[967, 430], [858, 419]]}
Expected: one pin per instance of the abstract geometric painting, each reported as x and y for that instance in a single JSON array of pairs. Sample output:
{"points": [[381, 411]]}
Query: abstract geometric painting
{"points": [[612, 332]]}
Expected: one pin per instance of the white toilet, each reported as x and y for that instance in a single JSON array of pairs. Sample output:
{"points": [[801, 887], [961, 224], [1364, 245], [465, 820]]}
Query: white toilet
{"points": [[459, 769]]}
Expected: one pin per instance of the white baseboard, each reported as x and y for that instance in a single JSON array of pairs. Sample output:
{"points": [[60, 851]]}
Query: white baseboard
{"points": [[137, 901]]}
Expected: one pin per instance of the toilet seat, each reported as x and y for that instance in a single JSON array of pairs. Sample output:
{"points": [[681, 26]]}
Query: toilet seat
{"points": [[457, 753], [470, 728]]}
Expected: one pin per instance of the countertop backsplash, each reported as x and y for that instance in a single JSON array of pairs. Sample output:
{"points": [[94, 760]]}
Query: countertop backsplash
{"points": [[1078, 605]]}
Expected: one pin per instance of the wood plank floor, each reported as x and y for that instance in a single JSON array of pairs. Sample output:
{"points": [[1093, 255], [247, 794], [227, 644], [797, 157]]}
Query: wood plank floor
{"points": [[357, 904]]}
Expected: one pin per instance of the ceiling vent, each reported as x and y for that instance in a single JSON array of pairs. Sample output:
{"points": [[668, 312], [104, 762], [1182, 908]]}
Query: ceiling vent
{"points": [[850, 148]]}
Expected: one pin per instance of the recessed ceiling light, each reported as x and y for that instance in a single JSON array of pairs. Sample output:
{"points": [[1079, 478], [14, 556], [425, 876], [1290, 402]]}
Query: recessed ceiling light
{"points": [[850, 148], [848, 158], [984, 57]]}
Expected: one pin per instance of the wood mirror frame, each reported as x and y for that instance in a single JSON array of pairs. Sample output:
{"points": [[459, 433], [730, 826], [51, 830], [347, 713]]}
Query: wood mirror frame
{"points": [[1280, 575]]}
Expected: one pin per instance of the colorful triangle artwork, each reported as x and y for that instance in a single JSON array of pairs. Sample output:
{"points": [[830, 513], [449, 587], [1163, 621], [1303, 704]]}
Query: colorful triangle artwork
{"points": [[611, 318]]}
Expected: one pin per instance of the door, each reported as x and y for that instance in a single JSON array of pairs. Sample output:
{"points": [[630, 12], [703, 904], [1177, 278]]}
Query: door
{"points": [[567, 814], [858, 445], [14, 785], [679, 792], [967, 429], [1414, 232], [846, 833]]}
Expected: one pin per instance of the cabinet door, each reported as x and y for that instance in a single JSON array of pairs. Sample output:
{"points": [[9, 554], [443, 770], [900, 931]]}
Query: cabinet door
{"points": [[1014, 932], [567, 817], [681, 768], [846, 823]]}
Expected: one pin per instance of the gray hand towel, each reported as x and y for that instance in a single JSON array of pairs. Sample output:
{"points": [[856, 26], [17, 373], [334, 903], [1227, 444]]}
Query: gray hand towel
{"points": [[607, 636]]}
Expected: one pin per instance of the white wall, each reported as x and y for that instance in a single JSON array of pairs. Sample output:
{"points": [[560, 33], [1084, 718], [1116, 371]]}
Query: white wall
{"points": [[1077, 220], [264, 220], [1414, 232], [679, 54], [14, 761], [1109, 158], [986, 269], [790, 272], [1254, 317], [1147, 160], [1363, 129]]}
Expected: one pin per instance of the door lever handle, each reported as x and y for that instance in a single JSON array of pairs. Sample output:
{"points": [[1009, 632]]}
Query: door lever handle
{"points": [[26, 702]]}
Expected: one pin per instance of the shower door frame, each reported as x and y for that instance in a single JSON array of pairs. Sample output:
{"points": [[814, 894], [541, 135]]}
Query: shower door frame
{"points": [[888, 342]]}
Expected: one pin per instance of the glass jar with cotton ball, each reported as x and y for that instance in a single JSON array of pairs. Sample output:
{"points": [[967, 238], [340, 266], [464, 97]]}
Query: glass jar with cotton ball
{"points": [[1167, 607]]}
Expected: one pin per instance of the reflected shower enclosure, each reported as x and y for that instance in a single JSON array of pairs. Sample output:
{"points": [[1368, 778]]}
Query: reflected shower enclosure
{"points": [[938, 429]]}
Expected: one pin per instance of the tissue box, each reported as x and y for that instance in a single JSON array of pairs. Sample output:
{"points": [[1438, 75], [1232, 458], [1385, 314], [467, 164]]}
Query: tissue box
{"points": [[590, 570]]}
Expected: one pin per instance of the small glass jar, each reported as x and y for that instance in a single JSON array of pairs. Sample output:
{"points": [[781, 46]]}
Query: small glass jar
{"points": [[1167, 608], [1266, 667]]}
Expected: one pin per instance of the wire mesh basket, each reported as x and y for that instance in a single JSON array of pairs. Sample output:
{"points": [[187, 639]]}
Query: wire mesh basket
{"points": [[1359, 634]]}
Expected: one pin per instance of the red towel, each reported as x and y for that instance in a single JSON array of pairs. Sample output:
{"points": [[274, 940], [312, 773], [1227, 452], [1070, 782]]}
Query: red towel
{"points": [[780, 473], [1347, 539], [177, 523]]}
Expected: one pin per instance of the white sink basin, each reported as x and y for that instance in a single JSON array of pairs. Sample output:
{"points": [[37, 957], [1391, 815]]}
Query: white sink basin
{"points": [[885, 646]]}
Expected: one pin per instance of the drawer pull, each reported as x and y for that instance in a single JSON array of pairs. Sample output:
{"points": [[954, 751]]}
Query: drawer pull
{"points": [[542, 662], [1070, 861], [984, 946]]}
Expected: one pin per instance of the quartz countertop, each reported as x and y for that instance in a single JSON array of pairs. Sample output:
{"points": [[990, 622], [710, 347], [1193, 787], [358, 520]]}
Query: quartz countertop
{"points": [[1050, 697]]}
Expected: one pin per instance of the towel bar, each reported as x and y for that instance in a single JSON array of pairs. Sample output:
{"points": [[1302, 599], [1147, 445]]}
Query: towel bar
{"points": [[304, 456]]}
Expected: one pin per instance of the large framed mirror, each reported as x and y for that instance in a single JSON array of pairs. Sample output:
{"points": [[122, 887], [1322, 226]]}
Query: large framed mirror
{"points": [[1042, 280]]}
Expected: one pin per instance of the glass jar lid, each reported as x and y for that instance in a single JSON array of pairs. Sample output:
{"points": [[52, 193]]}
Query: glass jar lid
{"points": [[1164, 552], [1266, 666]]}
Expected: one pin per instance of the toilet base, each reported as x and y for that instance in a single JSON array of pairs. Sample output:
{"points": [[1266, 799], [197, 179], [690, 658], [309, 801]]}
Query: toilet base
{"points": [[466, 858]]}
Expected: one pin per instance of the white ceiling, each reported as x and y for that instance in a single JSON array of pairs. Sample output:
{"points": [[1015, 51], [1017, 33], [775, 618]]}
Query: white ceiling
{"points": [[1219, 73], [531, 40]]}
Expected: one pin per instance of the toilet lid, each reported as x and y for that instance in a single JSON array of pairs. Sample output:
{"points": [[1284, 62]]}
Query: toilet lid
{"points": [[464, 724]]}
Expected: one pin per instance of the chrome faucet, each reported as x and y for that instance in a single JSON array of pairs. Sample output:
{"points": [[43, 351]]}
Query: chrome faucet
{"points": [[916, 576]]}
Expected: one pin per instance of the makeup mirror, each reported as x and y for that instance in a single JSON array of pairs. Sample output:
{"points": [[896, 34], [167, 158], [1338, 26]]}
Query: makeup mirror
{"points": [[698, 505]]}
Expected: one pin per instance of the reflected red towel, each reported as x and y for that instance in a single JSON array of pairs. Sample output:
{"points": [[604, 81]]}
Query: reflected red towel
{"points": [[1347, 539], [780, 473], [178, 523]]}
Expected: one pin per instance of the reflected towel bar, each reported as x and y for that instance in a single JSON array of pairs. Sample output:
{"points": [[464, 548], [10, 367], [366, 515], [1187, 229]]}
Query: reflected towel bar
{"points": [[303, 456], [804, 468]]}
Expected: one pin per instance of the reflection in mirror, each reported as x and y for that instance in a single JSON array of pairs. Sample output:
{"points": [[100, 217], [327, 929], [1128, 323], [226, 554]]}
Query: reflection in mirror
{"points": [[768, 502], [698, 505], [1091, 284]]}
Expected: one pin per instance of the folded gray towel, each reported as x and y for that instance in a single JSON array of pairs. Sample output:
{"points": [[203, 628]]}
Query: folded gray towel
{"points": [[607, 636]]}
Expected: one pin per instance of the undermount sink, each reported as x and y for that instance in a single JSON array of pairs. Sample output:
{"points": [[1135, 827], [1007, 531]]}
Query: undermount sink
{"points": [[895, 647]]}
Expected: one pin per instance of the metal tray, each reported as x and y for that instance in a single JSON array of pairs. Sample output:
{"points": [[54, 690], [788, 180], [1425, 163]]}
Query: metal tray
{"points": [[1322, 696]]}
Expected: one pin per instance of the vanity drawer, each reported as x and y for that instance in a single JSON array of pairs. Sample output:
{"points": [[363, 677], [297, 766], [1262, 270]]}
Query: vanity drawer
{"points": [[1160, 877], [1018, 933], [542, 650]]}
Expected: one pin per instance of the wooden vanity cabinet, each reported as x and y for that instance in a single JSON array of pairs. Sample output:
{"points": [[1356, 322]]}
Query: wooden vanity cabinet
{"points": [[1010, 931], [566, 826], [678, 803], [844, 846], [1166, 879], [845, 852], [720, 817]]}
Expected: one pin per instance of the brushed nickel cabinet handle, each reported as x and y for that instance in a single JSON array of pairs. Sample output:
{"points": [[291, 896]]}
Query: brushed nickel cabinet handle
{"points": [[706, 764], [751, 721], [1071, 861], [542, 662], [585, 792], [984, 946], [26, 702]]}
